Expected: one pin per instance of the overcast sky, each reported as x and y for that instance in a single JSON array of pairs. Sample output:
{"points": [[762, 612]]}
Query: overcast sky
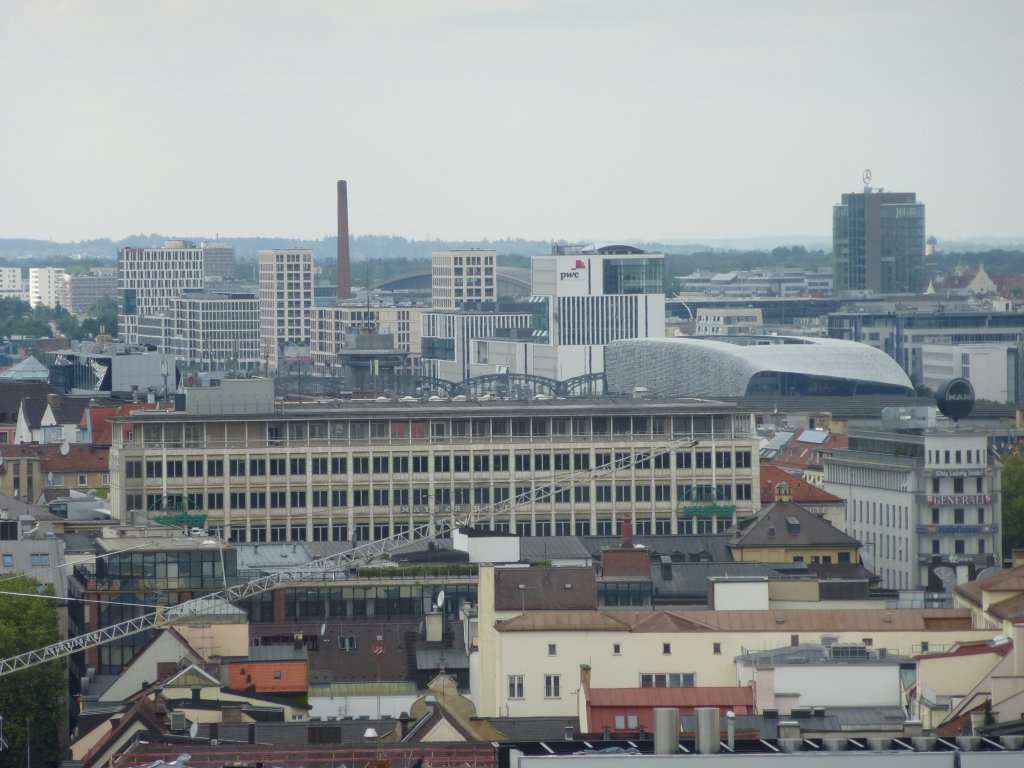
{"points": [[471, 119]]}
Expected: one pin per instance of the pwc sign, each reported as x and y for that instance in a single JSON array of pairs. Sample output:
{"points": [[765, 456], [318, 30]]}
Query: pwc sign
{"points": [[575, 272]]}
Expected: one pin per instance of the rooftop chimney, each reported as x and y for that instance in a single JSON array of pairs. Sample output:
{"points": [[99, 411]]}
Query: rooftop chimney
{"points": [[344, 264], [627, 531]]}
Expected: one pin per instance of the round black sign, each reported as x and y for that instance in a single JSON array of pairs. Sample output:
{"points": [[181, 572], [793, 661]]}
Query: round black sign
{"points": [[955, 398]]}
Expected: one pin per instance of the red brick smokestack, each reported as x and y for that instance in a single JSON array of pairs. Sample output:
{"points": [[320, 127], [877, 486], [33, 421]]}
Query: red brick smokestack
{"points": [[627, 531], [344, 265]]}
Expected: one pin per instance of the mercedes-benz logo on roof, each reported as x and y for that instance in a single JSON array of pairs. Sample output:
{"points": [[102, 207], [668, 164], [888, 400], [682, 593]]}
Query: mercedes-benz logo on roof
{"points": [[867, 177]]}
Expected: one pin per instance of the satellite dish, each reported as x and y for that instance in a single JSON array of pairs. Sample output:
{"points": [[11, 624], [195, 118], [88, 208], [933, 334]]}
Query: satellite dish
{"points": [[992, 570], [323, 629], [65, 449], [194, 730], [440, 599]]}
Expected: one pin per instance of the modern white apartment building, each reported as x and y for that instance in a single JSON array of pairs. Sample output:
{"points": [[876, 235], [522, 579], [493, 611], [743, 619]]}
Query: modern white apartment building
{"points": [[360, 470], [207, 330], [587, 298], [81, 292], [919, 502], [728, 321], [286, 301], [330, 325], [218, 262], [147, 278], [46, 286], [10, 283], [457, 277]]}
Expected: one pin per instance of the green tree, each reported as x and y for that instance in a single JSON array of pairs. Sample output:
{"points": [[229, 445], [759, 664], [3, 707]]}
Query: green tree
{"points": [[1013, 502], [35, 696]]}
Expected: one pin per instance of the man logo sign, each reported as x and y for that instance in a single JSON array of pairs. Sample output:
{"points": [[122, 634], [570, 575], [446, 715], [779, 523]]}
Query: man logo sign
{"points": [[955, 398]]}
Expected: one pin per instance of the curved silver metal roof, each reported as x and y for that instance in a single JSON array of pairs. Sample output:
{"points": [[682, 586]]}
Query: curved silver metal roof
{"points": [[689, 367]]}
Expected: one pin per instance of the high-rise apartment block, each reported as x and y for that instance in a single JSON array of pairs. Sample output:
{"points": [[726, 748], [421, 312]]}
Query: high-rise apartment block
{"points": [[147, 278], [81, 292], [286, 301], [878, 242], [10, 283], [218, 262], [45, 286], [458, 277]]}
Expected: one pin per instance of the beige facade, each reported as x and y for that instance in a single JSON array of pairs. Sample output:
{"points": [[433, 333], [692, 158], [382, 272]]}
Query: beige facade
{"points": [[362, 470], [518, 658], [457, 277]]}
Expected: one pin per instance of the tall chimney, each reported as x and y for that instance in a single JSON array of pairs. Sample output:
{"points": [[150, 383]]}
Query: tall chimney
{"points": [[627, 531], [344, 265]]}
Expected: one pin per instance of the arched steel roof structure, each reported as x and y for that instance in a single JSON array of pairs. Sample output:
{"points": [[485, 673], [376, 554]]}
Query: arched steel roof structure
{"points": [[751, 365]]}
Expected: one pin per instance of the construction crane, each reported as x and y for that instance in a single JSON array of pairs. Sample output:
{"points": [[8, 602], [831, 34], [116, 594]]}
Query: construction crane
{"points": [[362, 554]]}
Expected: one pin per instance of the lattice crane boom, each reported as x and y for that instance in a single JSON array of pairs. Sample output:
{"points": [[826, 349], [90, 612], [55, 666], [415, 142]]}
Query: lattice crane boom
{"points": [[360, 555]]}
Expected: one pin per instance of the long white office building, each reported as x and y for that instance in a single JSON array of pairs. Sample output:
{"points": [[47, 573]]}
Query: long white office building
{"points": [[361, 470]]}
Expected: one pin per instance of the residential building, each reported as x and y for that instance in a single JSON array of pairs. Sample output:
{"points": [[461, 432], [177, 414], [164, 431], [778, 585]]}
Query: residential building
{"points": [[878, 242], [218, 262], [922, 504], [45, 286], [786, 532], [826, 674], [11, 283], [147, 278], [458, 277], [787, 282], [81, 292], [286, 304], [207, 331], [728, 322], [529, 661], [29, 470], [777, 484], [364, 470]]}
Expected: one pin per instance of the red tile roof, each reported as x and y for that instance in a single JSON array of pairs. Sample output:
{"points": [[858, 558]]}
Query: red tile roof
{"points": [[968, 649], [803, 492], [800, 454]]}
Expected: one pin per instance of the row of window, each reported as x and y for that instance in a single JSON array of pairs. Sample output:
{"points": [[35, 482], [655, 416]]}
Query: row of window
{"points": [[662, 526], [553, 683], [442, 464], [429, 497], [957, 456], [36, 559]]}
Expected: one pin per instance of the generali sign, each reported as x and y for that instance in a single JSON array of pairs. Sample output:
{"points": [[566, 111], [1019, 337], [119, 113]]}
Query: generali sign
{"points": [[958, 500]]}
